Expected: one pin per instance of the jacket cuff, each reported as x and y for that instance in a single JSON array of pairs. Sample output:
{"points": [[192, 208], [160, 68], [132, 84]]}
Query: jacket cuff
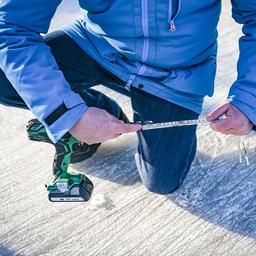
{"points": [[244, 102], [64, 117]]}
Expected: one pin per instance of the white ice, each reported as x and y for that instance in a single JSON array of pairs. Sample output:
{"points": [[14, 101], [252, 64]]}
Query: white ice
{"points": [[212, 213]]}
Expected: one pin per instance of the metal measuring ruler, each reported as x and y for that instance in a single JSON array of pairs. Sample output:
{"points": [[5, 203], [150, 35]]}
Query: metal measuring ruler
{"points": [[149, 125]]}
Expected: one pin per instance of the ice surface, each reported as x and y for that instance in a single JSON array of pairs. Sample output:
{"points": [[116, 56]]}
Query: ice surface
{"points": [[213, 213]]}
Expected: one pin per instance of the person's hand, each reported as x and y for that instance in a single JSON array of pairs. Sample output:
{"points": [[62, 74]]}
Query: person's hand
{"points": [[97, 126], [234, 121]]}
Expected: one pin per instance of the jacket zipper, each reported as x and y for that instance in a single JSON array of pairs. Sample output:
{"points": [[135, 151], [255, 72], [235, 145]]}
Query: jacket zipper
{"points": [[145, 47], [172, 26]]}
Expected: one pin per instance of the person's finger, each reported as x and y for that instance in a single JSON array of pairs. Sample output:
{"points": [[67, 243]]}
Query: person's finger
{"points": [[222, 125], [126, 128], [235, 133], [111, 137], [218, 112], [118, 121], [115, 119], [228, 132], [112, 118], [240, 133]]}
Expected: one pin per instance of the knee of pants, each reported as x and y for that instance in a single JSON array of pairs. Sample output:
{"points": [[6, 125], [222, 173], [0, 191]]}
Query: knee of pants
{"points": [[161, 186], [4, 98], [12, 100], [8, 95], [162, 173], [159, 180], [163, 179]]}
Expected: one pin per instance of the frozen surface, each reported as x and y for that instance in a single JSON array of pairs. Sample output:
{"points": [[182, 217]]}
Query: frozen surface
{"points": [[213, 213]]}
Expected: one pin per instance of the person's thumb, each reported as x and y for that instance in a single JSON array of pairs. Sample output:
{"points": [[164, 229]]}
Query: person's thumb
{"points": [[127, 128], [218, 112]]}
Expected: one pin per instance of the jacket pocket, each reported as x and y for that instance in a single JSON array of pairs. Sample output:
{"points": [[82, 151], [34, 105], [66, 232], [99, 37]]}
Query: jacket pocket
{"points": [[198, 79]]}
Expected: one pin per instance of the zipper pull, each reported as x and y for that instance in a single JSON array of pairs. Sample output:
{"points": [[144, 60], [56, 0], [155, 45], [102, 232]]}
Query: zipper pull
{"points": [[172, 26]]}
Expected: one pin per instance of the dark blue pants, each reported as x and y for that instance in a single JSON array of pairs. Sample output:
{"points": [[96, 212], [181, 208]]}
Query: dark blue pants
{"points": [[164, 155]]}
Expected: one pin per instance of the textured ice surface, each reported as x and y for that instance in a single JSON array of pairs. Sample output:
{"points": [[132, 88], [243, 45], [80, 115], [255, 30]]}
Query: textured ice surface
{"points": [[219, 188], [213, 213], [99, 200]]}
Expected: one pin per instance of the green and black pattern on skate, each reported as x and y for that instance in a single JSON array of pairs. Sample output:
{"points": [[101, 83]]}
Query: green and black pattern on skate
{"points": [[66, 186]]}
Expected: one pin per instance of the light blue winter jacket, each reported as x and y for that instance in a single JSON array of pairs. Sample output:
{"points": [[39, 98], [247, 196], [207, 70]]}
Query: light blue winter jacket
{"points": [[168, 46]]}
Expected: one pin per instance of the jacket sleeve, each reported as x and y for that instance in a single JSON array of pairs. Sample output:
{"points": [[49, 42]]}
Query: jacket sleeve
{"points": [[243, 91], [30, 67]]}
